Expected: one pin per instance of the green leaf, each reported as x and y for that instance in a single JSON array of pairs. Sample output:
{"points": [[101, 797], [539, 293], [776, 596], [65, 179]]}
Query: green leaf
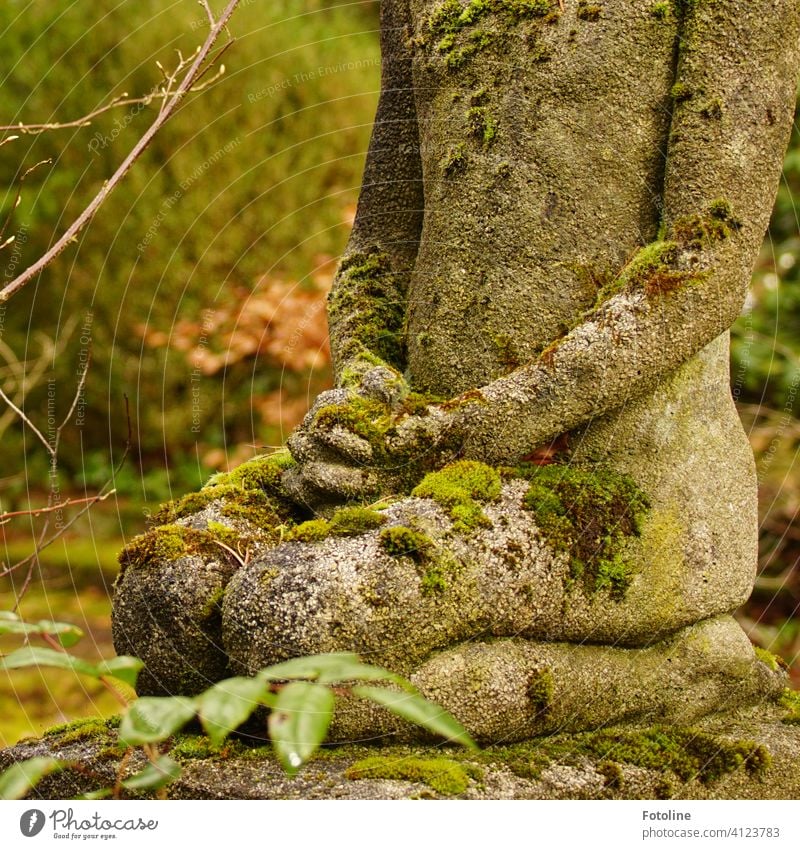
{"points": [[124, 667], [17, 780], [152, 719], [420, 711], [67, 634], [299, 722], [104, 793], [331, 668], [155, 775], [35, 656], [225, 706]]}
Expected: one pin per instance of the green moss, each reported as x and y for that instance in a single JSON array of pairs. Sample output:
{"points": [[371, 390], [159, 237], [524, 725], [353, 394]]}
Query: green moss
{"points": [[655, 268], [170, 542], [700, 231], [367, 307], [452, 27], [433, 582], [345, 522], [192, 747], [445, 776], [590, 11], [223, 533], [678, 754], [261, 473], [612, 774], [376, 423], [400, 541], [461, 487], [78, 730], [589, 514], [689, 753], [258, 509], [454, 161], [790, 701], [350, 521], [481, 125], [540, 691], [772, 661], [681, 92], [251, 491], [661, 11]]}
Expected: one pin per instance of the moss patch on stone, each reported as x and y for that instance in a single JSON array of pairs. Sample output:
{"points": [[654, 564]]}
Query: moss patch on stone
{"points": [[656, 269], [400, 541], [790, 702], [251, 492], [540, 690], [772, 661], [679, 754], [345, 522], [481, 125], [460, 32], [445, 776], [366, 308], [688, 753], [589, 11], [661, 11], [168, 543], [261, 473], [81, 729], [589, 514], [461, 487]]}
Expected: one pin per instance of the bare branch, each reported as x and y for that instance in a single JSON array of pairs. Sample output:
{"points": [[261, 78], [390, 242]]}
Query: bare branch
{"points": [[18, 198], [115, 103], [204, 4], [76, 399], [170, 105], [68, 502], [32, 427]]}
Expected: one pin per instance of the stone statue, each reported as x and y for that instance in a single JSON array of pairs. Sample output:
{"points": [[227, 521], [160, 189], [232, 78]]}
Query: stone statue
{"points": [[530, 489]]}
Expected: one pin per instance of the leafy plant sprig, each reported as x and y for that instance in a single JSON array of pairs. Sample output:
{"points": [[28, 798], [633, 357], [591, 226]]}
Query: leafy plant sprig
{"points": [[300, 695]]}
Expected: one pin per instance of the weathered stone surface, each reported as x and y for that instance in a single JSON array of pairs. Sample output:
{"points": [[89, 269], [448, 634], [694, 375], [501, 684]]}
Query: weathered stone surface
{"points": [[544, 688], [749, 755], [587, 239], [501, 580]]}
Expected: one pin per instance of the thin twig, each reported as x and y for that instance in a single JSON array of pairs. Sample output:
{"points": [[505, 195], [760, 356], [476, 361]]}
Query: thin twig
{"points": [[17, 200], [35, 430], [43, 543], [229, 549], [69, 502], [115, 103], [86, 216], [210, 14], [75, 401]]}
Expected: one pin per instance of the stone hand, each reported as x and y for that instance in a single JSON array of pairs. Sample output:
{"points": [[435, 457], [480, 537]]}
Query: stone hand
{"points": [[358, 443]]}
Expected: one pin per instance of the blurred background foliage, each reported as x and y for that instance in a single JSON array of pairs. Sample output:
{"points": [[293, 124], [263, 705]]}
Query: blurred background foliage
{"points": [[199, 288]]}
